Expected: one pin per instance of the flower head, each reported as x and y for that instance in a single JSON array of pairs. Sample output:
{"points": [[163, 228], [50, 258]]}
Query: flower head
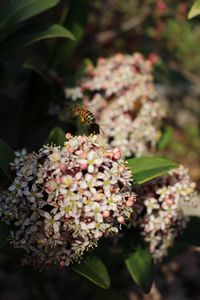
{"points": [[120, 93], [158, 212], [74, 197]]}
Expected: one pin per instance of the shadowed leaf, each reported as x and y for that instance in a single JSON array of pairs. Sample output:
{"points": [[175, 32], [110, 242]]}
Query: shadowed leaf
{"points": [[94, 269]]}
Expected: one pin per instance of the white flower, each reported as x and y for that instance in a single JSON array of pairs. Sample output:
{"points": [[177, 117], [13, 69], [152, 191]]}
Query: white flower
{"points": [[151, 204], [52, 222], [19, 187], [73, 93]]}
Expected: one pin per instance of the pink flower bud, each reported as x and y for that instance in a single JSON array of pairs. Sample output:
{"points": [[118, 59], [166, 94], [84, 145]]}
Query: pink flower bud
{"points": [[71, 149], [62, 167], [106, 214], [131, 200], [193, 185], [117, 153], [68, 135], [121, 220], [83, 155], [101, 61], [169, 202], [121, 168], [62, 264], [84, 166], [161, 5], [154, 58]]}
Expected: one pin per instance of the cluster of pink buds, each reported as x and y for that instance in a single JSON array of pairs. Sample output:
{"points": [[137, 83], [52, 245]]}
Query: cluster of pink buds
{"points": [[120, 93], [64, 199], [158, 211]]}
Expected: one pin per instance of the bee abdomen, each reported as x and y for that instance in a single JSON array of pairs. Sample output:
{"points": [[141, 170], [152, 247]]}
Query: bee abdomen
{"points": [[91, 118]]}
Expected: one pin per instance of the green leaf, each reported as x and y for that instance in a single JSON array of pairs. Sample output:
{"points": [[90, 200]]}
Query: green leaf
{"points": [[195, 10], [21, 40], [140, 267], [64, 50], [4, 232], [165, 138], [36, 64], [6, 156], [94, 269], [15, 11], [56, 137], [147, 168]]}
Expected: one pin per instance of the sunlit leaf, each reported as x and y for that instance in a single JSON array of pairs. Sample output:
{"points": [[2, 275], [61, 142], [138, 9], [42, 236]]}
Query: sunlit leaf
{"points": [[147, 168], [195, 10]]}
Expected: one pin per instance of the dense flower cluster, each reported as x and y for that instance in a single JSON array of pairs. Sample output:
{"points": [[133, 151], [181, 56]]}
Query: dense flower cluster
{"points": [[63, 199], [158, 213], [121, 94]]}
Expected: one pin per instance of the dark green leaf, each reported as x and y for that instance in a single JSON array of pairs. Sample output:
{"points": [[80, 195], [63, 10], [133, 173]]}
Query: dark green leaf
{"points": [[15, 11], [165, 138], [6, 156], [4, 232], [56, 137], [20, 41], [195, 10], [64, 49], [35, 64], [75, 20], [147, 168], [139, 265], [93, 269]]}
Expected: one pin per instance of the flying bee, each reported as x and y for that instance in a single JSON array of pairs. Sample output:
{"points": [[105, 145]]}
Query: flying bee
{"points": [[83, 114], [86, 117]]}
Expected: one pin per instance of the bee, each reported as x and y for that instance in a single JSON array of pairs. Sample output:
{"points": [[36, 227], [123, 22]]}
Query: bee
{"points": [[83, 114], [86, 117]]}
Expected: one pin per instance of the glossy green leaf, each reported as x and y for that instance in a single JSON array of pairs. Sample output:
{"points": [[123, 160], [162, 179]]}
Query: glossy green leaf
{"points": [[15, 11], [195, 10], [147, 168], [6, 156], [20, 40], [139, 265], [94, 269], [165, 138], [56, 137], [4, 232]]}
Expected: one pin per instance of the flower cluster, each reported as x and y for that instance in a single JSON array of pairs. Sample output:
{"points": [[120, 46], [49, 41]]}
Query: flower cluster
{"points": [[158, 213], [121, 94], [63, 199]]}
